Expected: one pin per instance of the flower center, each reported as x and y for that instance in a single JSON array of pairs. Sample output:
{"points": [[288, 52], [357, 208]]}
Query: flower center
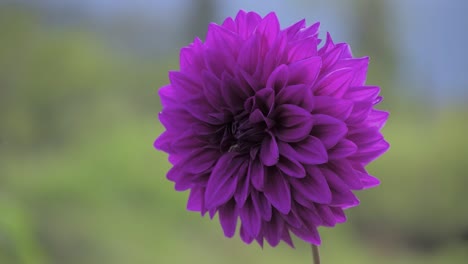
{"points": [[239, 135]]}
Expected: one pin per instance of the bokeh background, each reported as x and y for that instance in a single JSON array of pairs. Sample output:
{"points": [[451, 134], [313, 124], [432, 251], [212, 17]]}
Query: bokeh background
{"points": [[81, 183]]}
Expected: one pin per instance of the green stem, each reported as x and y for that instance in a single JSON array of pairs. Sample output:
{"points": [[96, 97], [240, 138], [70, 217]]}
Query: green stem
{"points": [[315, 254]]}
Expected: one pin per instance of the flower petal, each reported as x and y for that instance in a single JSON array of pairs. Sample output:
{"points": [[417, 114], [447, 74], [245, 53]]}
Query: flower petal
{"points": [[335, 107], [310, 151], [268, 28], [200, 160], [341, 194], [294, 123], [291, 167], [269, 153], [257, 174], [335, 83], [250, 217], [314, 186], [228, 218], [196, 199], [328, 218], [310, 234], [262, 205], [278, 79], [243, 189], [277, 191], [362, 93], [343, 149], [302, 49], [223, 180], [344, 170], [328, 129], [274, 230], [298, 95], [305, 71]]}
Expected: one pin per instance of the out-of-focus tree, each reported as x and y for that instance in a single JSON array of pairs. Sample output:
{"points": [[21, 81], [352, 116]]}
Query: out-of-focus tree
{"points": [[199, 16]]}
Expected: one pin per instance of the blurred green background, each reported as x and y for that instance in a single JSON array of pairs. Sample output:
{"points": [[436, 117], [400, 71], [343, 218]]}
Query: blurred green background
{"points": [[81, 183]]}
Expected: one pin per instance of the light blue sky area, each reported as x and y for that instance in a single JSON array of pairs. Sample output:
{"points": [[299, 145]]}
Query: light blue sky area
{"points": [[431, 37]]}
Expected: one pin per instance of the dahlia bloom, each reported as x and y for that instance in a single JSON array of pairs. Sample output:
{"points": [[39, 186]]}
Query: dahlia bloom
{"points": [[265, 126]]}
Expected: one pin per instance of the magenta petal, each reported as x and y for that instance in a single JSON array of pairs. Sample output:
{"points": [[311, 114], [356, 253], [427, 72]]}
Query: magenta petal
{"points": [[303, 49], [205, 112], [262, 205], [218, 36], [377, 118], [251, 220], [305, 71], [168, 95], [257, 117], [163, 142], [211, 91], [314, 186], [343, 149], [230, 24], [310, 217], [310, 31], [293, 29], [233, 96], [274, 230], [341, 194], [278, 79], [335, 83], [329, 45], [292, 219], [344, 170], [310, 151], [184, 84], [369, 181], [329, 130], [310, 235], [360, 68], [249, 55], [328, 218], [257, 174], [277, 191], [360, 112], [200, 161], [228, 218], [335, 107], [295, 123], [369, 154], [223, 180], [245, 235], [297, 94], [246, 23], [196, 199], [269, 153], [219, 62], [362, 93], [339, 214], [332, 56], [291, 167], [243, 189], [268, 28], [265, 100], [286, 237]]}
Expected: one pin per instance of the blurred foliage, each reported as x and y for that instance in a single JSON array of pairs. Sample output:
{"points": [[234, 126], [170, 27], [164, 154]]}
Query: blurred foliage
{"points": [[81, 183]]}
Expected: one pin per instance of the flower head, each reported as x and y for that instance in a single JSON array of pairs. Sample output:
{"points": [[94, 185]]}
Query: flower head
{"points": [[264, 126]]}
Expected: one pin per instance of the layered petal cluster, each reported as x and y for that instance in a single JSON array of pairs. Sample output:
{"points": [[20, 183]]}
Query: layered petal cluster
{"points": [[267, 127]]}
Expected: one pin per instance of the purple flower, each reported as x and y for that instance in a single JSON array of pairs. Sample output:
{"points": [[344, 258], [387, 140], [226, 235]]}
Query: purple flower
{"points": [[265, 126]]}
